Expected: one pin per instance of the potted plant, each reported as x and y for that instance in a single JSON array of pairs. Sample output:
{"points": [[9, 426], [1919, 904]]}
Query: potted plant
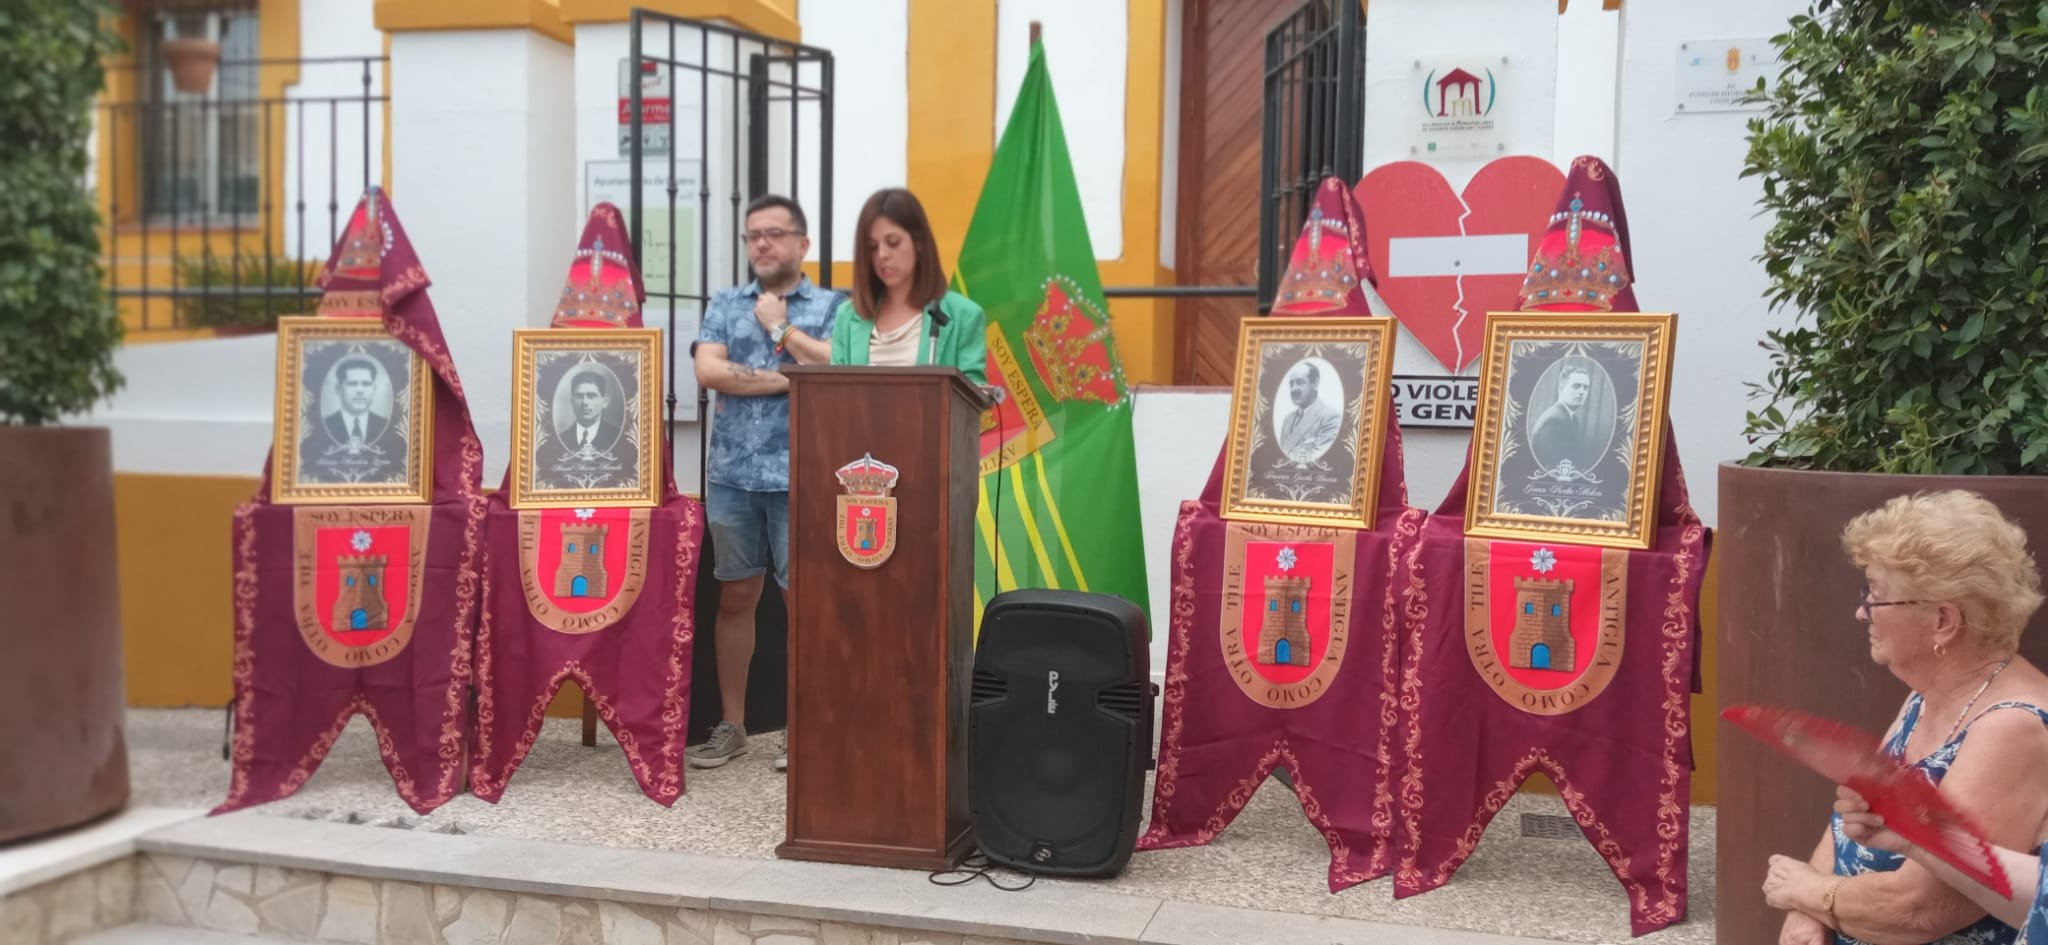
{"points": [[61, 698], [244, 294], [1903, 155], [191, 56]]}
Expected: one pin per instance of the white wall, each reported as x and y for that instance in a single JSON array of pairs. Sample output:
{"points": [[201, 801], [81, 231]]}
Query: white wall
{"points": [[1087, 48], [1695, 228], [1179, 432], [1405, 39], [869, 40], [324, 141]]}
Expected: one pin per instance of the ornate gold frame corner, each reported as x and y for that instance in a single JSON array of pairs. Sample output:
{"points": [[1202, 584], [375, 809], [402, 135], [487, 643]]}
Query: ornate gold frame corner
{"points": [[292, 331], [1657, 330], [1253, 335], [527, 342]]}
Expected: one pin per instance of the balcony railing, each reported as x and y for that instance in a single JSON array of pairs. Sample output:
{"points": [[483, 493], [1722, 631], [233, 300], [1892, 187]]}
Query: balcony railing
{"points": [[222, 205]]}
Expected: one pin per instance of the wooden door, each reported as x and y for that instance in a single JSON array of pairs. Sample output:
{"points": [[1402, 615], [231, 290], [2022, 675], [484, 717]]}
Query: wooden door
{"points": [[1223, 58]]}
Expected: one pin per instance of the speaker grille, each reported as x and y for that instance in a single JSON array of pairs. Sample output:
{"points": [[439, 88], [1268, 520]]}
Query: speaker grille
{"points": [[1125, 700], [989, 687]]}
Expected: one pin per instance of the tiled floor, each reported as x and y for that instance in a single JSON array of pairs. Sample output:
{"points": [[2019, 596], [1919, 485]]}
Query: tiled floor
{"points": [[1270, 858]]}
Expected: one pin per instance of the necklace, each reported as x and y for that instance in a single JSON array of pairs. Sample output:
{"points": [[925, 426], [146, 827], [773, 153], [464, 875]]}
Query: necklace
{"points": [[1960, 716]]}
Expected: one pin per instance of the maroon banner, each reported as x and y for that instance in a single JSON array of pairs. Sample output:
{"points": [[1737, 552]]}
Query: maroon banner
{"points": [[1613, 731], [618, 618], [604, 596], [1575, 661], [346, 609], [1284, 654]]}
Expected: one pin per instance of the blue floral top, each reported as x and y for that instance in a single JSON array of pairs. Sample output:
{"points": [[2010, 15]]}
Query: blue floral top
{"points": [[1855, 859], [2037, 920], [750, 435]]}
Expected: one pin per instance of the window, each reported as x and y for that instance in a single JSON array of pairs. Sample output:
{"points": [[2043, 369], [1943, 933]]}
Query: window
{"points": [[593, 547], [1557, 610], [1297, 607], [1529, 607], [1273, 606], [572, 547], [202, 150], [349, 581], [373, 580]]}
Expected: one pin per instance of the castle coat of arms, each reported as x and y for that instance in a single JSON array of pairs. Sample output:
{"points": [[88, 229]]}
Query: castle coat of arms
{"points": [[1544, 624], [1286, 618], [357, 580], [582, 569], [867, 513]]}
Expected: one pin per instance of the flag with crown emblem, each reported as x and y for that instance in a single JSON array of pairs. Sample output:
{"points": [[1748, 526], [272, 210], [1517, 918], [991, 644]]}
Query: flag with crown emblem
{"points": [[1059, 487]]}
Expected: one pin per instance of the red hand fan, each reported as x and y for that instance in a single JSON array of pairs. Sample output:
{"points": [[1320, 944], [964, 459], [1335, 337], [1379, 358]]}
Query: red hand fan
{"points": [[1910, 804]]}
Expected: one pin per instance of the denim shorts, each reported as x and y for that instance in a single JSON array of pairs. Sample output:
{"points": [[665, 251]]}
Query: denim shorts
{"points": [[747, 529]]}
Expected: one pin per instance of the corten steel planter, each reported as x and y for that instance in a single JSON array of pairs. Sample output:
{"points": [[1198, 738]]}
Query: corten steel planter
{"points": [[63, 755], [1788, 636]]}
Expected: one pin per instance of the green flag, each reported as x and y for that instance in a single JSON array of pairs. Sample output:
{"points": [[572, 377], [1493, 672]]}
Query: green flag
{"points": [[1059, 486]]}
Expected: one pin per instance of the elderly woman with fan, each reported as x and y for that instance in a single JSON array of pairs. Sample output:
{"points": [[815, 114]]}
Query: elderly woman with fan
{"points": [[1949, 586], [2024, 904]]}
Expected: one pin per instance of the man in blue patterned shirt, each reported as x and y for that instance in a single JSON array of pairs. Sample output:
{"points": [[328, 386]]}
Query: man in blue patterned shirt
{"points": [[749, 333]]}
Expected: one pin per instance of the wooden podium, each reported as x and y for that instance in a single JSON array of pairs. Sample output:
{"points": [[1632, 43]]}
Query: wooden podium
{"points": [[881, 658]]}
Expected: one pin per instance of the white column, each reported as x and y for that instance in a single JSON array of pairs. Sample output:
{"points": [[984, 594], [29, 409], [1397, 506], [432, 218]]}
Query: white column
{"points": [[481, 128]]}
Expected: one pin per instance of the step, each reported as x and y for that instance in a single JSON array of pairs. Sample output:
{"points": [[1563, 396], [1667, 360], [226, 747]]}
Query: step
{"points": [[147, 934]]}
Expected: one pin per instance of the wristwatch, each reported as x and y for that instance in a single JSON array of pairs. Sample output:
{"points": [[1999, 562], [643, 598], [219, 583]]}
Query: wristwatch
{"points": [[781, 331]]}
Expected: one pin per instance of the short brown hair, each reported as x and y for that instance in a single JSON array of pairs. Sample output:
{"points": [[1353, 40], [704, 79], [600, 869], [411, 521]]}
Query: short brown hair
{"points": [[1954, 546], [927, 283]]}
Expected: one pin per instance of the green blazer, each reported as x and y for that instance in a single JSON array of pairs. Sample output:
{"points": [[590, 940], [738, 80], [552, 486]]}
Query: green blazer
{"points": [[963, 340]]}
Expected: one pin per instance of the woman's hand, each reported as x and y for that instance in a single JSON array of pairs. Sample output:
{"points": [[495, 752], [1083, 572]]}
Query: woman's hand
{"points": [[1803, 929], [1787, 881], [1864, 827]]}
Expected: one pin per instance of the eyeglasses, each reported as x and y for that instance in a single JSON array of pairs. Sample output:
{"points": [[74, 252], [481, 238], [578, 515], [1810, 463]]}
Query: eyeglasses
{"points": [[774, 236], [1869, 604]]}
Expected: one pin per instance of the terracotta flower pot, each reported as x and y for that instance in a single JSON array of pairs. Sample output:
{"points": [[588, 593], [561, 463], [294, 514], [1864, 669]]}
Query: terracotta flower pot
{"points": [[1788, 636], [63, 752], [192, 62]]}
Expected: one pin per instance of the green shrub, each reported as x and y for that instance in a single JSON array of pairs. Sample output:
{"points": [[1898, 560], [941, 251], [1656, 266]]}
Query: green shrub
{"points": [[1902, 156], [58, 330], [259, 301]]}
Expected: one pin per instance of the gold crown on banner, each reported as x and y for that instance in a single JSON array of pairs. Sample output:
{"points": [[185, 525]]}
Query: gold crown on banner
{"points": [[587, 298], [867, 476], [362, 247], [1062, 348], [1322, 277], [1573, 278]]}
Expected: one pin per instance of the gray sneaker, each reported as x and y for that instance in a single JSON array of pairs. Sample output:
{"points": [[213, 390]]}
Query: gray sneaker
{"points": [[782, 752], [726, 743]]}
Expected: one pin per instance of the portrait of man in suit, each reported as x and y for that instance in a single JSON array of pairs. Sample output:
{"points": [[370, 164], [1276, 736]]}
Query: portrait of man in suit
{"points": [[589, 448], [355, 422], [1310, 427], [1569, 436]]}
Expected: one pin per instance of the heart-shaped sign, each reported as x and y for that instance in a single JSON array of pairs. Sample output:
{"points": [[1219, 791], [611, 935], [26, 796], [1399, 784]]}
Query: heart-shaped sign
{"points": [[1444, 260]]}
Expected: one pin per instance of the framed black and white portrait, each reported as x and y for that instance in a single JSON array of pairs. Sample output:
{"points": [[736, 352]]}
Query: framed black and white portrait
{"points": [[1308, 415], [586, 418], [1571, 428], [353, 415]]}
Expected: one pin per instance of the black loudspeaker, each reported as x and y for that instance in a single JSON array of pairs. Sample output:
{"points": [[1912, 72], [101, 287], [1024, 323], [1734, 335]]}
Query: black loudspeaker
{"points": [[1059, 731]]}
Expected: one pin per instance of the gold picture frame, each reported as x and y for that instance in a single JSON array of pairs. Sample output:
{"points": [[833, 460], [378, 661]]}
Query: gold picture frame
{"points": [[1569, 444], [352, 417], [563, 457], [1312, 456]]}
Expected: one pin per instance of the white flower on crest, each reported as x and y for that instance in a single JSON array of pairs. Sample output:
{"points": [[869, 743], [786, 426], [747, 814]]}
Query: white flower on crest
{"points": [[586, 514], [1543, 560], [360, 541], [1287, 558]]}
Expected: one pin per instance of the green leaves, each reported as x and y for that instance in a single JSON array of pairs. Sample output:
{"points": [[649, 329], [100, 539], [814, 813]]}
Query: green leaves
{"points": [[1902, 160], [58, 330]]}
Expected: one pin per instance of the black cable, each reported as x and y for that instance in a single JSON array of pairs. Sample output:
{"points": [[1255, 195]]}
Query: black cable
{"points": [[973, 868]]}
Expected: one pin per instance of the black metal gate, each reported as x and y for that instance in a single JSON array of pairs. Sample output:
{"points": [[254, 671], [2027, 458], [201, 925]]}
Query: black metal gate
{"points": [[1314, 123], [747, 114], [762, 123]]}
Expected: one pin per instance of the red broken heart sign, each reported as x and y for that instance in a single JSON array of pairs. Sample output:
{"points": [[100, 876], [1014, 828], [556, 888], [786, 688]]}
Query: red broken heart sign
{"points": [[1409, 199]]}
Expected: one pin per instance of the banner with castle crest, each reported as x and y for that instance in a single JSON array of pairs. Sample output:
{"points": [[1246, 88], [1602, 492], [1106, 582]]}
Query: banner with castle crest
{"points": [[1544, 623], [1286, 610], [582, 568], [358, 571]]}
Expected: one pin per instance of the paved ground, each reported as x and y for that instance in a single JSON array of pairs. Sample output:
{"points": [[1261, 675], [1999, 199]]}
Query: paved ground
{"points": [[1270, 858]]}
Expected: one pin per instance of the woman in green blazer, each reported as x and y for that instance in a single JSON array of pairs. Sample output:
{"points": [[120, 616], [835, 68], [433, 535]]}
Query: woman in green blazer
{"points": [[901, 313]]}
